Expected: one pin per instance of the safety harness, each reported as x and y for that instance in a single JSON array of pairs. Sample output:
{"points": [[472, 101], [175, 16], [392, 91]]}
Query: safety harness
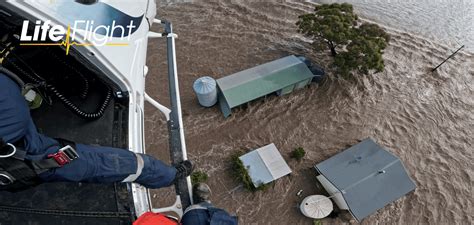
{"points": [[18, 173]]}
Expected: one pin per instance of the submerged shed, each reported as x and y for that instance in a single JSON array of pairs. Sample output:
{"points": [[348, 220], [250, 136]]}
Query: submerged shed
{"points": [[265, 165], [281, 76], [364, 178]]}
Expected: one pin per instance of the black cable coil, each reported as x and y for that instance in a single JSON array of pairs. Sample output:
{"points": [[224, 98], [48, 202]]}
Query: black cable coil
{"points": [[68, 103]]}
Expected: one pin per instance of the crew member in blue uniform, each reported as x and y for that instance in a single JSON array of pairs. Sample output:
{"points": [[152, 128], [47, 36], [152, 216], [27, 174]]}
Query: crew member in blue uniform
{"points": [[94, 163]]}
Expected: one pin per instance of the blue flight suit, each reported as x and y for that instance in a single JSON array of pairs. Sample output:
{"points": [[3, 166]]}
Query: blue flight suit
{"points": [[95, 163], [205, 213]]}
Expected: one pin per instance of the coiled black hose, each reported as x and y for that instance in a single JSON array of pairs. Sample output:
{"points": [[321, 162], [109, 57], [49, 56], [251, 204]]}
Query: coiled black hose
{"points": [[99, 113], [68, 103], [86, 85]]}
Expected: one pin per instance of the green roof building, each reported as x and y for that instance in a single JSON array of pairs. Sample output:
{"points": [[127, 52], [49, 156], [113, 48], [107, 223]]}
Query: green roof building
{"points": [[281, 76]]}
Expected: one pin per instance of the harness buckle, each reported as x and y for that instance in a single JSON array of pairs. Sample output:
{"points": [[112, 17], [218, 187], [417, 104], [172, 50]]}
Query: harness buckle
{"points": [[65, 155]]}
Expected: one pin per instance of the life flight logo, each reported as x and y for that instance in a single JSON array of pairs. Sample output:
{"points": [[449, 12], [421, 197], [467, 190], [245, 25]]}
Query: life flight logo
{"points": [[44, 33]]}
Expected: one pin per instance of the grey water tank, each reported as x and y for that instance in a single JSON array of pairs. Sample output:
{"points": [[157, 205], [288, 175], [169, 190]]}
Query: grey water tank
{"points": [[206, 91]]}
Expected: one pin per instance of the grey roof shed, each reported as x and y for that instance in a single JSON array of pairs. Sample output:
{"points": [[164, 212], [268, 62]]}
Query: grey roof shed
{"points": [[282, 75], [364, 178]]}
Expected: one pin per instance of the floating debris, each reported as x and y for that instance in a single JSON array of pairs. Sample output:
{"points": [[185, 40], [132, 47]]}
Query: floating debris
{"points": [[299, 193]]}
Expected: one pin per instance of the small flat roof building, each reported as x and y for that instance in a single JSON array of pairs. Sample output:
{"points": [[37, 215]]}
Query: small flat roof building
{"points": [[265, 165], [281, 76], [364, 178]]}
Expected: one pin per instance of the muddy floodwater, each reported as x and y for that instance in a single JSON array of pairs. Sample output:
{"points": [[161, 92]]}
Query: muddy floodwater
{"points": [[447, 21], [427, 119]]}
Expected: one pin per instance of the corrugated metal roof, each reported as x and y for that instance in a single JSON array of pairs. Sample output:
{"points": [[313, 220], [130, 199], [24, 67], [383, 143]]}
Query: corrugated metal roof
{"points": [[256, 168], [265, 165], [262, 80], [368, 176]]}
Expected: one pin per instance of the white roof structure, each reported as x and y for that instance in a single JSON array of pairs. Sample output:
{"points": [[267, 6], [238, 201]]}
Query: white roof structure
{"points": [[265, 165]]}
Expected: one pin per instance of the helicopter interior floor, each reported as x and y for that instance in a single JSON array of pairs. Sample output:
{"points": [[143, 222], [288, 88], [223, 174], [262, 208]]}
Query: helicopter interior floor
{"points": [[75, 203]]}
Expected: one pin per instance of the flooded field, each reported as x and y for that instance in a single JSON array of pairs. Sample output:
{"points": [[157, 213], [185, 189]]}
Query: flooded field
{"points": [[425, 118]]}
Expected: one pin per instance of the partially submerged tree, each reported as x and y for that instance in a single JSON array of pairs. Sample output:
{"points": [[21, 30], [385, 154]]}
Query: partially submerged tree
{"points": [[298, 153], [329, 24], [241, 174], [355, 46], [199, 177]]}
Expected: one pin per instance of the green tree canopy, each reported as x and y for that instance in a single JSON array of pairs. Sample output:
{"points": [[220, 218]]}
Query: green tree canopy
{"points": [[355, 46]]}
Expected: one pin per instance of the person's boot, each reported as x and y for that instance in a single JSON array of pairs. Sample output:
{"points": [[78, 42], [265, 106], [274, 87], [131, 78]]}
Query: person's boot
{"points": [[201, 193], [183, 169]]}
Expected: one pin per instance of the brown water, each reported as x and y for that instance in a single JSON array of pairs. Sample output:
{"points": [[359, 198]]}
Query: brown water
{"points": [[447, 21], [425, 118]]}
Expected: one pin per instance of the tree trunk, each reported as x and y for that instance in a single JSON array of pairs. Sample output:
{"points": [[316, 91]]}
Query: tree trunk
{"points": [[333, 48]]}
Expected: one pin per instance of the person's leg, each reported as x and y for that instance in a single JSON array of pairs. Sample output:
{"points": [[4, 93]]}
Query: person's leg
{"points": [[198, 213], [97, 164], [204, 212], [196, 217], [155, 173]]}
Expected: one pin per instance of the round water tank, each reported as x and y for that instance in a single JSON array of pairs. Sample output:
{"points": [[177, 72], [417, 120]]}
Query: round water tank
{"points": [[206, 91], [316, 206]]}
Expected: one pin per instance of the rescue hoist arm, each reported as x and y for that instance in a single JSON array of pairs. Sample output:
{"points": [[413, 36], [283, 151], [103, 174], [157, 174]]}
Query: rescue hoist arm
{"points": [[177, 144]]}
